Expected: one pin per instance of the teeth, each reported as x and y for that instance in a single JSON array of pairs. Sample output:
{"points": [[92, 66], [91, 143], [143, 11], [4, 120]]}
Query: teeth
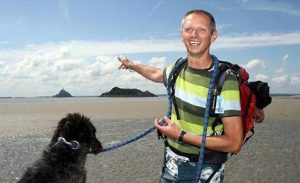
{"points": [[194, 42]]}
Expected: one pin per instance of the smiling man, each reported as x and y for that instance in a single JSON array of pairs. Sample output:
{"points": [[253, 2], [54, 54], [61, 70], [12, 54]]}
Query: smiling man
{"points": [[183, 134]]}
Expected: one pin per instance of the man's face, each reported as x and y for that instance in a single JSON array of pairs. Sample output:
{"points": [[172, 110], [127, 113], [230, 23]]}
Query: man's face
{"points": [[197, 33]]}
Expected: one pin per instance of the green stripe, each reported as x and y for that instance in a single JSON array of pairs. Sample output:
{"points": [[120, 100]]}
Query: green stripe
{"points": [[201, 79], [186, 148], [189, 108], [230, 83], [231, 113], [193, 123]]}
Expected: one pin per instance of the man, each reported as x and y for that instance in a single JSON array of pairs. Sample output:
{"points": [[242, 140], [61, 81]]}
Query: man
{"points": [[184, 134]]}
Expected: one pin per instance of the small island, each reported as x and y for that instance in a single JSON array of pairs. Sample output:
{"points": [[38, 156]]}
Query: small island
{"points": [[125, 92], [63, 93]]}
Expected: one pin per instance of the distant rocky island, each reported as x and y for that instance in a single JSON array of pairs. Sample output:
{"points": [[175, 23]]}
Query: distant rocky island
{"points": [[126, 92], [63, 93]]}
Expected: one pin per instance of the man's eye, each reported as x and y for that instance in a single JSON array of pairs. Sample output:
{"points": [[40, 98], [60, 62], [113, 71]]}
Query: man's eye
{"points": [[197, 31], [201, 30], [189, 30]]}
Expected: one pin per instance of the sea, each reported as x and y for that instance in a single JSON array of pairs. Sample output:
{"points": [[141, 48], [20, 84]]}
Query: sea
{"points": [[8, 100]]}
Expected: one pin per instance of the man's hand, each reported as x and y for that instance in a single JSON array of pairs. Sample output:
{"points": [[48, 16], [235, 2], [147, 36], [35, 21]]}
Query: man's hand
{"points": [[169, 129], [125, 63], [152, 73]]}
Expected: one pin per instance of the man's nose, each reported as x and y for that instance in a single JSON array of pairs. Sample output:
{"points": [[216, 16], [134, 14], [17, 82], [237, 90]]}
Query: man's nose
{"points": [[194, 32]]}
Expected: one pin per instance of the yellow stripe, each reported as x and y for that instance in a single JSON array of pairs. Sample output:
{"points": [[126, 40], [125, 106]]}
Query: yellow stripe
{"points": [[191, 88], [193, 128], [231, 95]]}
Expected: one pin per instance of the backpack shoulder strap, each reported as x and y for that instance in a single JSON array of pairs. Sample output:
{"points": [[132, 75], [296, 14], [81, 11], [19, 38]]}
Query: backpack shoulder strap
{"points": [[225, 68], [178, 66]]}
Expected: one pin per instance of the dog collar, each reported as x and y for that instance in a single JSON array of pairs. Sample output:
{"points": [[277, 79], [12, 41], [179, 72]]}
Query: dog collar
{"points": [[73, 144]]}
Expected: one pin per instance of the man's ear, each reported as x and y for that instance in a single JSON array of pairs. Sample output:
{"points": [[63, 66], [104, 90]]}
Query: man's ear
{"points": [[181, 36], [214, 36]]}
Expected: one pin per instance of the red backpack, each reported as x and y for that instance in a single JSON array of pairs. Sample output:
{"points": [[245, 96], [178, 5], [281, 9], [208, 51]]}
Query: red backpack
{"points": [[247, 96]]}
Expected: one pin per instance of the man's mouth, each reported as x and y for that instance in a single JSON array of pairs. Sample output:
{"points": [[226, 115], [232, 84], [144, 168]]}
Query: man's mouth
{"points": [[194, 43]]}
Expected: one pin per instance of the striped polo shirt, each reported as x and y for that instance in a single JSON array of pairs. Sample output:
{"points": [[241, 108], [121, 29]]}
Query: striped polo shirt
{"points": [[191, 89]]}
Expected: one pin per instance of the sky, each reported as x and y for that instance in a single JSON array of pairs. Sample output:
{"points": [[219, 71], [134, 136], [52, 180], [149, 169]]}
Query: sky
{"points": [[74, 44]]}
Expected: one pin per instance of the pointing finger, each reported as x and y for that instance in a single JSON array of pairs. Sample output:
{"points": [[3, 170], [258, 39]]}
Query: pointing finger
{"points": [[122, 58]]}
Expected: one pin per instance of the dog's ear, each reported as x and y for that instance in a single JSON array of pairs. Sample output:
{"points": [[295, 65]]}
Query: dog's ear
{"points": [[67, 124], [62, 128], [66, 129]]}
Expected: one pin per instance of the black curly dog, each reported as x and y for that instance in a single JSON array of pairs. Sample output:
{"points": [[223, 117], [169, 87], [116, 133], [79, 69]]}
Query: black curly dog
{"points": [[64, 159]]}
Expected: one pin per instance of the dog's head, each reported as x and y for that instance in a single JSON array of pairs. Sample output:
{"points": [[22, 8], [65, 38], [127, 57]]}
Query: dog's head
{"points": [[77, 127]]}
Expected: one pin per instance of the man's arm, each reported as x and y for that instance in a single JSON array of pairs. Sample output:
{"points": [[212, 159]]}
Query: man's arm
{"points": [[230, 141], [152, 73]]}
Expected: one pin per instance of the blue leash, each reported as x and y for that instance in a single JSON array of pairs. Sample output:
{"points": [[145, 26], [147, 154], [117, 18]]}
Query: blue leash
{"points": [[129, 140], [206, 117]]}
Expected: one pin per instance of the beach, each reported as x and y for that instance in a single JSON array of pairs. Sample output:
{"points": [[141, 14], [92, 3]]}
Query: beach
{"points": [[26, 126]]}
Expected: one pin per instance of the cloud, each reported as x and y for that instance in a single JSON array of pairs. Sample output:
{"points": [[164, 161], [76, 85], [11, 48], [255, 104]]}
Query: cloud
{"points": [[157, 62], [46, 69], [258, 40], [87, 68], [279, 71], [295, 80], [92, 48], [83, 49], [282, 7], [1, 63], [156, 45], [3, 42], [281, 81], [255, 63], [63, 5], [286, 83], [285, 58], [43, 73], [156, 7], [261, 77]]}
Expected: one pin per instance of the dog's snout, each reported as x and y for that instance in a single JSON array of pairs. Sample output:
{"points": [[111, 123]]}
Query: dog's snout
{"points": [[96, 147]]}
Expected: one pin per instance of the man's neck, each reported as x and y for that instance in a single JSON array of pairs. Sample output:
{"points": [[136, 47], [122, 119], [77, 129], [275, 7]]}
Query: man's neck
{"points": [[199, 61]]}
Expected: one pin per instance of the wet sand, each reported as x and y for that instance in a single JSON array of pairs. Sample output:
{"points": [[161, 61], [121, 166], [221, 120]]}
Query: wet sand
{"points": [[272, 155]]}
